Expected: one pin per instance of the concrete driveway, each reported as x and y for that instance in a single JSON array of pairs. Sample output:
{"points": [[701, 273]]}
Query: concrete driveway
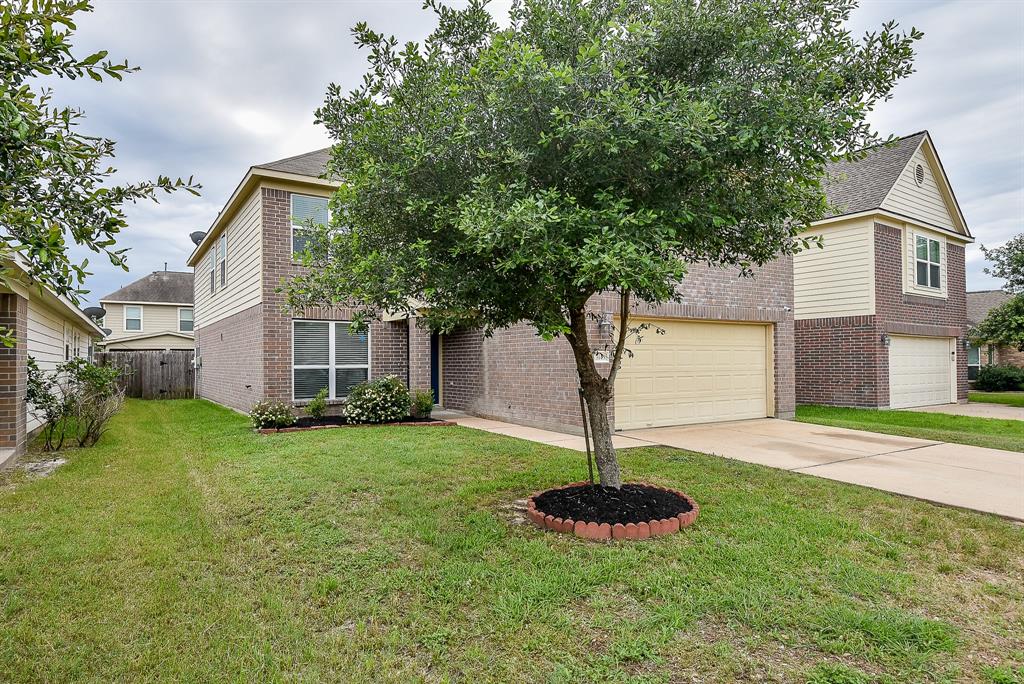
{"points": [[987, 480], [978, 410]]}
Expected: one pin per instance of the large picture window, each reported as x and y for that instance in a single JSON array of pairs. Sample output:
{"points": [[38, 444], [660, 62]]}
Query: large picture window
{"points": [[929, 262], [327, 354], [304, 210]]}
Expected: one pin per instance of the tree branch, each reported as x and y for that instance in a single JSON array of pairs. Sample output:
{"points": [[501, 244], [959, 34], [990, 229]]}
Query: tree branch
{"points": [[620, 345]]}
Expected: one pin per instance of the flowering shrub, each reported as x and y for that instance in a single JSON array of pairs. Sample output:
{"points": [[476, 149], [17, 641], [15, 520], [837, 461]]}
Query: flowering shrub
{"points": [[267, 414], [383, 400]]}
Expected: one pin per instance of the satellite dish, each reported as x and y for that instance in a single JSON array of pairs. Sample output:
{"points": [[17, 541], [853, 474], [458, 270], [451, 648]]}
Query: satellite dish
{"points": [[95, 312], [106, 331], [197, 236]]}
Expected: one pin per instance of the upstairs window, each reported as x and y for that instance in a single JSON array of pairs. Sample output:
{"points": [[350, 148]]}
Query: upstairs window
{"points": [[133, 318], [929, 262], [213, 270], [304, 210], [184, 320], [327, 354], [222, 259]]}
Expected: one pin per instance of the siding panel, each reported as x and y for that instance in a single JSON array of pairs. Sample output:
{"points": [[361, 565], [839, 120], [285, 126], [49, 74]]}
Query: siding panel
{"points": [[838, 279], [923, 202]]}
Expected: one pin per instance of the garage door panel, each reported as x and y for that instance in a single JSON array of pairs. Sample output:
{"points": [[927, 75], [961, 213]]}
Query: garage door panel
{"points": [[920, 371], [696, 372]]}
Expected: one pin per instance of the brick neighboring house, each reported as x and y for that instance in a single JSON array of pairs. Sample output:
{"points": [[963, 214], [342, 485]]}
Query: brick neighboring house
{"points": [[47, 327], [881, 317], [152, 313], [727, 353], [978, 305]]}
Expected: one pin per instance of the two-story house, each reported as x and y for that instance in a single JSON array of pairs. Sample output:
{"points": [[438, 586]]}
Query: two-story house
{"points": [[152, 313], [727, 351], [880, 310]]}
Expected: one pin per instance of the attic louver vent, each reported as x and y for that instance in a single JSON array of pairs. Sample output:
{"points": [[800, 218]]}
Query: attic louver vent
{"points": [[919, 174]]}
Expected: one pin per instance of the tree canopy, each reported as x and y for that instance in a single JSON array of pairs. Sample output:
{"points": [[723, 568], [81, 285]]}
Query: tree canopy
{"points": [[54, 187], [496, 175], [1008, 263], [1003, 325]]}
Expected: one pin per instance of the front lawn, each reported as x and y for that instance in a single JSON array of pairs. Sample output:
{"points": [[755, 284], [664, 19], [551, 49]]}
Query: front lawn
{"points": [[995, 433], [1007, 398], [186, 548]]}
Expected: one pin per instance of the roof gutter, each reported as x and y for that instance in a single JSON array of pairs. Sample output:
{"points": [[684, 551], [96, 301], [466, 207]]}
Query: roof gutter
{"points": [[966, 239]]}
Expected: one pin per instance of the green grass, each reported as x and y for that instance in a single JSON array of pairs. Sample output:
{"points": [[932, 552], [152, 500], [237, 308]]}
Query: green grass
{"points": [[995, 433], [186, 548], [1007, 398]]}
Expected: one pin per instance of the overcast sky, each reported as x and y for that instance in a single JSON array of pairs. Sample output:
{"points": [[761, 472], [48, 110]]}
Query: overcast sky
{"points": [[225, 85]]}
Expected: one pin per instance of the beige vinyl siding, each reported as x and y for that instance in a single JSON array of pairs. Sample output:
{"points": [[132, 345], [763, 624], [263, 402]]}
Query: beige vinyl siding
{"points": [[47, 331], [155, 318], [243, 288], [839, 278], [910, 285], [155, 342], [923, 202]]}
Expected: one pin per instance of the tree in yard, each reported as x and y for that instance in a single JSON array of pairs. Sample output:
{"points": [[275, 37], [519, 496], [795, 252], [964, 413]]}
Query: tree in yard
{"points": [[1008, 263], [504, 175], [53, 178], [1003, 325]]}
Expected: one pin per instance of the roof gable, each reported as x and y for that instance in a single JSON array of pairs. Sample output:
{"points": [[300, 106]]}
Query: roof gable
{"points": [[922, 192], [861, 185], [168, 287]]}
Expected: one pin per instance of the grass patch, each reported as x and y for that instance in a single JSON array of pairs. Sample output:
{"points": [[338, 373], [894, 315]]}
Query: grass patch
{"points": [[1005, 398], [186, 548], [994, 433]]}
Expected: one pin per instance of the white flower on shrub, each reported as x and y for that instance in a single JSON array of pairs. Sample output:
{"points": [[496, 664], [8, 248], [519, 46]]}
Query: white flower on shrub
{"points": [[267, 414], [383, 400]]}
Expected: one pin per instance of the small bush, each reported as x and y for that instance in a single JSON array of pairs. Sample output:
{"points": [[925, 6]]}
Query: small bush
{"points": [[272, 414], [383, 400], [317, 407], [999, 379], [422, 403], [77, 400]]}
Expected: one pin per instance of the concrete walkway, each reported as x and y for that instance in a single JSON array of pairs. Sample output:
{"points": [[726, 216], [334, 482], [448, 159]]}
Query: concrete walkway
{"points": [[987, 480], [976, 409]]}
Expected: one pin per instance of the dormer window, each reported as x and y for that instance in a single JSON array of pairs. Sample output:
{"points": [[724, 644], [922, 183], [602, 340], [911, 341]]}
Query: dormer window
{"points": [[929, 262]]}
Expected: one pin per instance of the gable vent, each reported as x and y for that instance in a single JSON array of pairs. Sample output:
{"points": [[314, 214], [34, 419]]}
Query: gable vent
{"points": [[919, 174]]}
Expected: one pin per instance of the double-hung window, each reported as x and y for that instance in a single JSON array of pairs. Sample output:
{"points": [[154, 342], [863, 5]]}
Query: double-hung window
{"points": [[133, 318], [928, 256], [306, 210], [328, 354], [213, 269], [222, 260], [973, 362], [184, 320]]}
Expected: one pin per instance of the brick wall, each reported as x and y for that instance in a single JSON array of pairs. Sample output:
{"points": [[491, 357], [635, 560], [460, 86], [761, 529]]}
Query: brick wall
{"points": [[1006, 355], [231, 351], [516, 375], [13, 371]]}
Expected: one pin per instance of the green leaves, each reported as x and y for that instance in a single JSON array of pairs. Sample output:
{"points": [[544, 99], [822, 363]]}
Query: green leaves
{"points": [[53, 179], [1003, 325]]}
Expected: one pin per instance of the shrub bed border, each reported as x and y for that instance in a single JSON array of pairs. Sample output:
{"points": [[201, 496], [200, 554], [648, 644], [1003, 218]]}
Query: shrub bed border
{"points": [[605, 531], [410, 423]]}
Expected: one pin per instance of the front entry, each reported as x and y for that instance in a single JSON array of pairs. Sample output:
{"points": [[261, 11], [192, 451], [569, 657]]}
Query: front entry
{"points": [[435, 366]]}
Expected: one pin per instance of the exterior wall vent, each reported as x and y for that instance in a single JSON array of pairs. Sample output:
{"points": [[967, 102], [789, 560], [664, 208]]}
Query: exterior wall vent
{"points": [[919, 174]]}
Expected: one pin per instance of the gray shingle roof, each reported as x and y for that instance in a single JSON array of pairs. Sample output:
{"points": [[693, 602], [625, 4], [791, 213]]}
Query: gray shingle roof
{"points": [[980, 303], [855, 186], [159, 286], [312, 164]]}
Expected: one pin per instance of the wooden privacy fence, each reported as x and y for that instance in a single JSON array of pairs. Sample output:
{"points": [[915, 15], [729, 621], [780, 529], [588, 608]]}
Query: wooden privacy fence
{"points": [[153, 374]]}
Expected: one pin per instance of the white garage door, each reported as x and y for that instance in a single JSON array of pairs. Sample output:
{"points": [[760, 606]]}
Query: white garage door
{"points": [[695, 373], [921, 371]]}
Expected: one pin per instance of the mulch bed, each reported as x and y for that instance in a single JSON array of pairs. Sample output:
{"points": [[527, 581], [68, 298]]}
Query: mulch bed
{"points": [[636, 511], [327, 422]]}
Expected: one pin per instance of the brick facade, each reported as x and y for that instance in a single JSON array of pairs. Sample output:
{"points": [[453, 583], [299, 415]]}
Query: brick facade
{"points": [[13, 375], [231, 371], [844, 361]]}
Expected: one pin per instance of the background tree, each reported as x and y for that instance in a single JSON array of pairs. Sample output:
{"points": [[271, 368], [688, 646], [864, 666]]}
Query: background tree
{"points": [[500, 175], [1008, 264], [53, 179], [1004, 325]]}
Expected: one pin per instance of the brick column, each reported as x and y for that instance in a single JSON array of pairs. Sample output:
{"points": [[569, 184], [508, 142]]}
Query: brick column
{"points": [[13, 371], [419, 356]]}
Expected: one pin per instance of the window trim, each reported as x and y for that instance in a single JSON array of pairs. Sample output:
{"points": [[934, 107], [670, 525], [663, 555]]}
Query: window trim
{"points": [[124, 318], [331, 365], [187, 308], [222, 260], [291, 218], [918, 260]]}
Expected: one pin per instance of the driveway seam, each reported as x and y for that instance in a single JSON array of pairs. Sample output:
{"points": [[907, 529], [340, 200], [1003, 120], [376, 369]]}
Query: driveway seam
{"points": [[861, 458]]}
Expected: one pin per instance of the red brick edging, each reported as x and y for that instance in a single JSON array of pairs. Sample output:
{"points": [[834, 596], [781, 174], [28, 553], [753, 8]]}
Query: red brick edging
{"points": [[593, 530], [420, 423]]}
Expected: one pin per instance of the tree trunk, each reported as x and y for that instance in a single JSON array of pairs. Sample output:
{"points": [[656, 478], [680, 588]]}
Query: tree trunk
{"points": [[597, 391]]}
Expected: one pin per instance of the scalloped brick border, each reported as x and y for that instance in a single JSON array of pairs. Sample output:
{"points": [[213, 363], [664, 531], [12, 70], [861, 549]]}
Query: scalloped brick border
{"points": [[603, 531], [416, 423]]}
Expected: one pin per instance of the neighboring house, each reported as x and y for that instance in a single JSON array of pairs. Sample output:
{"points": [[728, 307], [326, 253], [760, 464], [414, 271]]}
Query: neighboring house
{"points": [[153, 313], [51, 330], [880, 312], [978, 306], [727, 353]]}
